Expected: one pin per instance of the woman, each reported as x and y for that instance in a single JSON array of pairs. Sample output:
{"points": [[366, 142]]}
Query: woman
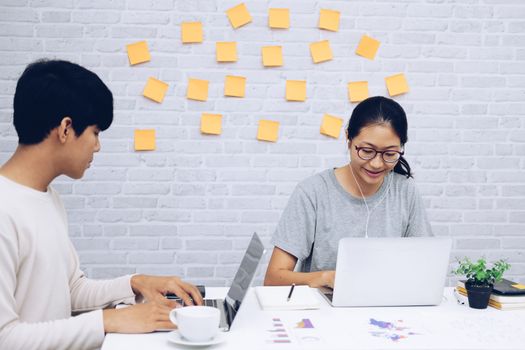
{"points": [[372, 196]]}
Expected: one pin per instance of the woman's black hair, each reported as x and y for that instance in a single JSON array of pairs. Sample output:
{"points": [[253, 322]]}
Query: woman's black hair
{"points": [[50, 90], [381, 110]]}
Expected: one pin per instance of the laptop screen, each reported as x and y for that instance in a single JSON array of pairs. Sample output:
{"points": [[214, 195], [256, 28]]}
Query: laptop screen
{"points": [[245, 273], [391, 271]]}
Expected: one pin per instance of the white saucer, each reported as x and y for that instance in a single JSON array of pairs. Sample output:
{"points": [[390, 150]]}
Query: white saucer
{"points": [[176, 338]]}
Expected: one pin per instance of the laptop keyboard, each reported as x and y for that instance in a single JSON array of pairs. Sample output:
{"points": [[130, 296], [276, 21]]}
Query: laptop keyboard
{"points": [[207, 302], [210, 302]]}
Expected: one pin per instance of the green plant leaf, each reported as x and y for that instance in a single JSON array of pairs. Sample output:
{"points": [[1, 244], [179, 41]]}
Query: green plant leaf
{"points": [[479, 273]]}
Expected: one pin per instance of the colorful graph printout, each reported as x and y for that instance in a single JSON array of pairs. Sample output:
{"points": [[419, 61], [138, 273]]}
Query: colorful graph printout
{"points": [[305, 323], [277, 334], [394, 331], [306, 334]]}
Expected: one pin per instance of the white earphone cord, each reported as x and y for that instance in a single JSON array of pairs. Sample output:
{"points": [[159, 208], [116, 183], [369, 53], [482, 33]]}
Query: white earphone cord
{"points": [[368, 211]]}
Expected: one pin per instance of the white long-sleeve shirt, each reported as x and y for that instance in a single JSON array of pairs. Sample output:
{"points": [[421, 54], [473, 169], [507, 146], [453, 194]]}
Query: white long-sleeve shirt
{"points": [[41, 283]]}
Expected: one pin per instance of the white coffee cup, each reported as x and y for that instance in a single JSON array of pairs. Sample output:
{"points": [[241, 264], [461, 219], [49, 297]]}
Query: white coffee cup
{"points": [[196, 323]]}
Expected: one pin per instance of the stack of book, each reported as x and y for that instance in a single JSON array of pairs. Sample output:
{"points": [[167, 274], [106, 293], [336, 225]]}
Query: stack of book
{"points": [[507, 295]]}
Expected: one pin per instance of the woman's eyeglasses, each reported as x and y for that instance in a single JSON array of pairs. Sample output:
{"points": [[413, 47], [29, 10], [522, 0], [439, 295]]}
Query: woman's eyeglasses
{"points": [[368, 153]]}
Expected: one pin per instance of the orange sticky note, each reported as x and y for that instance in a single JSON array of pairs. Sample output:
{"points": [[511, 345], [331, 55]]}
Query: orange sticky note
{"points": [[226, 51], [296, 90], [519, 286], [197, 90], [331, 126], [138, 53], [321, 51], [279, 18], [268, 130], [191, 32], [358, 91], [329, 20], [211, 123], [145, 140], [239, 15], [155, 90], [234, 86], [367, 47], [396, 84], [272, 56]]}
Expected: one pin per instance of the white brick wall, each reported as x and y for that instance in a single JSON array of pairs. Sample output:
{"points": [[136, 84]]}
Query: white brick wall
{"points": [[190, 207]]}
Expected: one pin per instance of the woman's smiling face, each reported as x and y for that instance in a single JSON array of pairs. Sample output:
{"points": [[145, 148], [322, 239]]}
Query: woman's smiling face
{"points": [[380, 137]]}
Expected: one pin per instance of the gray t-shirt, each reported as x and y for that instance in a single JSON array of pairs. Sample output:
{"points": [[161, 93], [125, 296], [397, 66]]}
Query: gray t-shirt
{"points": [[320, 212]]}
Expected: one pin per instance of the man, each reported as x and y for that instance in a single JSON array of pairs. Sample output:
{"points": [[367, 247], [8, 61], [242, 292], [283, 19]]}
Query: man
{"points": [[59, 110]]}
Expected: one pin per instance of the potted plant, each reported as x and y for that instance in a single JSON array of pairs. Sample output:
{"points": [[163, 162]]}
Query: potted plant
{"points": [[480, 279]]}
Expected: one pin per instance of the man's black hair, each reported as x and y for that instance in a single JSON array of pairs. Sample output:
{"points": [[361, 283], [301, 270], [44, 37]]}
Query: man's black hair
{"points": [[50, 90]]}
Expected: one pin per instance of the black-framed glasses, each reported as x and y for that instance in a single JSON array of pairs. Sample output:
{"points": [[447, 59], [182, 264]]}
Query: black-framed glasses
{"points": [[368, 153]]}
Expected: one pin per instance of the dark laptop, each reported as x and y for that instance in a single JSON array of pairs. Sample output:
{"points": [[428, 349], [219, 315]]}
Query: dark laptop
{"points": [[241, 282]]}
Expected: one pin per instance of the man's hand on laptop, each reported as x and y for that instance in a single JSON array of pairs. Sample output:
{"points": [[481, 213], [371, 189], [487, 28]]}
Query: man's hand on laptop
{"points": [[323, 279], [154, 288]]}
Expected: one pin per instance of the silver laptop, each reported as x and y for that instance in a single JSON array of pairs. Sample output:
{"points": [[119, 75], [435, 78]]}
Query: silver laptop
{"points": [[390, 271], [241, 282]]}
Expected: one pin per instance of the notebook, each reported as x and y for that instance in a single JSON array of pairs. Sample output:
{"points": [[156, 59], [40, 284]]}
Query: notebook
{"points": [[496, 296], [506, 287], [275, 298]]}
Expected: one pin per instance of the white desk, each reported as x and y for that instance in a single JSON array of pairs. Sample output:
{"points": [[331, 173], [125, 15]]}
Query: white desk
{"points": [[448, 326]]}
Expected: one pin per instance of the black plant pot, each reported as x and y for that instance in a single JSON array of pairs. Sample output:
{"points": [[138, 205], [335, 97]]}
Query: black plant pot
{"points": [[478, 295]]}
